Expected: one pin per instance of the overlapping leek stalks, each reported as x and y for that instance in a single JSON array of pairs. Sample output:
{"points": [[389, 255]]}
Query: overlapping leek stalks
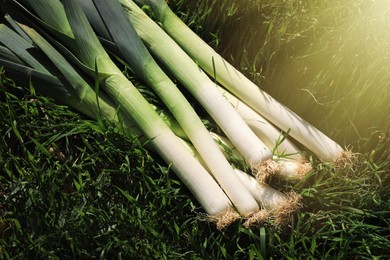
{"points": [[257, 128]]}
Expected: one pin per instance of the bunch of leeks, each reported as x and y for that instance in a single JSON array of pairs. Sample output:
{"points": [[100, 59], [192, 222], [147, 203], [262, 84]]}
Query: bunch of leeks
{"points": [[97, 35]]}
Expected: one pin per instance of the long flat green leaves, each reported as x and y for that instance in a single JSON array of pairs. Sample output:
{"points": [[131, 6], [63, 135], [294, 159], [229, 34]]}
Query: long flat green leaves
{"points": [[24, 74], [60, 62], [88, 47], [19, 46], [94, 18], [66, 85], [17, 58], [124, 35], [22, 9], [53, 14], [8, 55]]}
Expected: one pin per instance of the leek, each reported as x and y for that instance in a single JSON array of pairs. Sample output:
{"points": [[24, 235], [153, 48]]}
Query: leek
{"points": [[76, 39], [271, 200]]}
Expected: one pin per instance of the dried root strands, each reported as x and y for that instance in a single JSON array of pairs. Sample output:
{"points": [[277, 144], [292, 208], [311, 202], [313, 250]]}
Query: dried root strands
{"points": [[293, 170], [257, 218], [346, 158], [225, 219], [264, 170], [276, 205], [282, 213], [287, 169]]}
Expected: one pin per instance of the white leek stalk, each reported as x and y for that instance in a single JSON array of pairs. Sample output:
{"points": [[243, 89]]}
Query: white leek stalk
{"points": [[272, 137]]}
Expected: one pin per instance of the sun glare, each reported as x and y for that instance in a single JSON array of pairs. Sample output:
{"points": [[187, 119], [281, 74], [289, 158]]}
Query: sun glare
{"points": [[341, 74]]}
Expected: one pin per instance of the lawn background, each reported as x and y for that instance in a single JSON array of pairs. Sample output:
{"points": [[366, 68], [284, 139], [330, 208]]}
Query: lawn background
{"points": [[74, 188]]}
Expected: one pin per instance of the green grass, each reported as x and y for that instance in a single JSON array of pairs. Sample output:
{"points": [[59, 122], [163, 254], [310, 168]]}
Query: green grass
{"points": [[74, 188]]}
